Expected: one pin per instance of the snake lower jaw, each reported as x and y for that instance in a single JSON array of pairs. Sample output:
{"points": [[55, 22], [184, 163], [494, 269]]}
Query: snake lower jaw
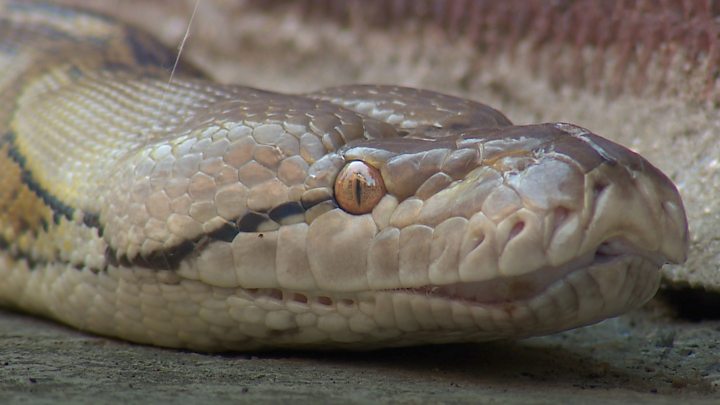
{"points": [[615, 278], [581, 296]]}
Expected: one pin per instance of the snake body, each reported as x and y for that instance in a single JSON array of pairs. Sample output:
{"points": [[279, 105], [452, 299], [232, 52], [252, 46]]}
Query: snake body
{"points": [[191, 214]]}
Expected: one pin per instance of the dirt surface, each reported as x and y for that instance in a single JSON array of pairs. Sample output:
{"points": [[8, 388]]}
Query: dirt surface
{"points": [[643, 357], [647, 356]]}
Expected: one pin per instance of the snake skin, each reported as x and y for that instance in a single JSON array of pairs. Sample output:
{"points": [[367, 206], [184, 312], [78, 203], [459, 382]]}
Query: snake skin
{"points": [[190, 214]]}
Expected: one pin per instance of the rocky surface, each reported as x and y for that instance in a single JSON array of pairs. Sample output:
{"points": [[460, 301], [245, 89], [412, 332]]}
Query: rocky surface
{"points": [[643, 357]]}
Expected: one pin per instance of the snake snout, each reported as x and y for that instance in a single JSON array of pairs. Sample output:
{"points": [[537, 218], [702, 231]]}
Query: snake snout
{"points": [[574, 198]]}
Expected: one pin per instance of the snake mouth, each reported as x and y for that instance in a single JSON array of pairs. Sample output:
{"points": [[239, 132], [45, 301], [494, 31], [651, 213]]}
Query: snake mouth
{"points": [[503, 290]]}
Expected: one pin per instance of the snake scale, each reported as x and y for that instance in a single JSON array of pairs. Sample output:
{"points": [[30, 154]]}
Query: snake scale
{"points": [[191, 214]]}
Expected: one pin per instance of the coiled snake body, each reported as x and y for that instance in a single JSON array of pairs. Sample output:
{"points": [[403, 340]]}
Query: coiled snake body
{"points": [[215, 217]]}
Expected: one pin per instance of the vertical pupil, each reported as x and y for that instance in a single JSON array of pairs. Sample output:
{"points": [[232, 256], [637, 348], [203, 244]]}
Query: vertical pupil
{"points": [[358, 188]]}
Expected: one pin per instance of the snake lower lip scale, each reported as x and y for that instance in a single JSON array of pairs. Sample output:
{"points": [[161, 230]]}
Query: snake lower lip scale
{"points": [[524, 288], [217, 217]]}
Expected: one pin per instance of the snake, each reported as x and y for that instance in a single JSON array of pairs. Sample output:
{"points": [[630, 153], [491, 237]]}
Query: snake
{"points": [[190, 214]]}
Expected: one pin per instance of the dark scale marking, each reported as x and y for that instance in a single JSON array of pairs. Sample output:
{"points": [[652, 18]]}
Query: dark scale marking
{"points": [[114, 66], [167, 259], [285, 210], [225, 233], [32, 262], [9, 139], [170, 258], [59, 208], [251, 221], [92, 220], [147, 51], [307, 204], [111, 258]]}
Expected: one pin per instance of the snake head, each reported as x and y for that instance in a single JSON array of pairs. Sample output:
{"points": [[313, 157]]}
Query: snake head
{"points": [[329, 226], [537, 228]]}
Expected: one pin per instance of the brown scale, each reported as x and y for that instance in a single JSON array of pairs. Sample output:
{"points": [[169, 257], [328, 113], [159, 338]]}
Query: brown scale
{"points": [[21, 210]]}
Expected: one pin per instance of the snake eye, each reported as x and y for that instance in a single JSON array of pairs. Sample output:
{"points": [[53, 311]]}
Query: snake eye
{"points": [[359, 187]]}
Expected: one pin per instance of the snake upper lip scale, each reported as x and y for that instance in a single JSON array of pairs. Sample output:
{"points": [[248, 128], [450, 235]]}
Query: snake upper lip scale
{"points": [[217, 217]]}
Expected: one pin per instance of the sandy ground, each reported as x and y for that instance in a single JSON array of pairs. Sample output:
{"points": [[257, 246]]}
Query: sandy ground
{"points": [[643, 357]]}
